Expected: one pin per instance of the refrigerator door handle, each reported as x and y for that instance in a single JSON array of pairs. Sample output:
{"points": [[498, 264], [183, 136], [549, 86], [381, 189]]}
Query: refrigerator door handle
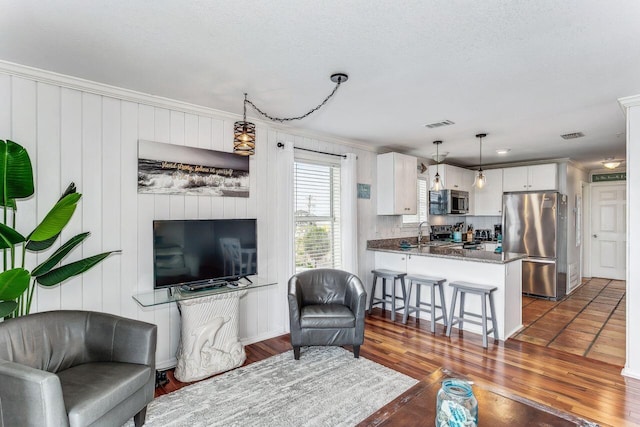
{"points": [[541, 260]]}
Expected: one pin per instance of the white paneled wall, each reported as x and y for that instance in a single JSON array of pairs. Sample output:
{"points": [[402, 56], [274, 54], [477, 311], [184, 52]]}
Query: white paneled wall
{"points": [[87, 133]]}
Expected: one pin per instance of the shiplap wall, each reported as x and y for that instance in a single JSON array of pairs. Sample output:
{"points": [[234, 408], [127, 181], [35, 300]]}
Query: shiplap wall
{"points": [[80, 132]]}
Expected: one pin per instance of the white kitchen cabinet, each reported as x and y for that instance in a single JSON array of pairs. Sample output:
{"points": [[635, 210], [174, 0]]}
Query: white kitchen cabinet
{"points": [[456, 178], [488, 199], [543, 177], [397, 177], [530, 178], [391, 261]]}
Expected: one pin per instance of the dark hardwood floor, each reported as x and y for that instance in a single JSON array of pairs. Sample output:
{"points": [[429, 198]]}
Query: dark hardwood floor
{"points": [[588, 388]]}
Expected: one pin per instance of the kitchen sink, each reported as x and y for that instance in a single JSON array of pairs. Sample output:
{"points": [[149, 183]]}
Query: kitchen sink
{"points": [[439, 243]]}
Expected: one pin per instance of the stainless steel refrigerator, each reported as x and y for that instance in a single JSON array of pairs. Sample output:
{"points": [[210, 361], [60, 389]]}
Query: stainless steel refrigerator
{"points": [[536, 224]]}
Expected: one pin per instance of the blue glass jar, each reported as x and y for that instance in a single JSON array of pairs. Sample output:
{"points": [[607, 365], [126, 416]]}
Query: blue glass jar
{"points": [[456, 405]]}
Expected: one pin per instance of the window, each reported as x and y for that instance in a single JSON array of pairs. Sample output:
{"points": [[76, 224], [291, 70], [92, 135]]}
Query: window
{"points": [[423, 208], [317, 215]]}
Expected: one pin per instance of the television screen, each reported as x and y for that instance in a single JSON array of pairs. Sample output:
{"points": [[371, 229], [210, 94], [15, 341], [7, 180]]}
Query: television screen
{"points": [[198, 251]]}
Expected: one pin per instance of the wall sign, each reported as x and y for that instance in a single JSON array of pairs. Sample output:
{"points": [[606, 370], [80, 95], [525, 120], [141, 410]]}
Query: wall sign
{"points": [[364, 191], [176, 169], [604, 177]]}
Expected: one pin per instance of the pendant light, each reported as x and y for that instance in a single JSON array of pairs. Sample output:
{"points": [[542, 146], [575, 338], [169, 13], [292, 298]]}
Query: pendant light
{"points": [[244, 132], [438, 183], [481, 179], [244, 135]]}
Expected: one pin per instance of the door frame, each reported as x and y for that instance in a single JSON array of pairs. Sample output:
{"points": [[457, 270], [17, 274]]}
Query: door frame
{"points": [[586, 230], [586, 202]]}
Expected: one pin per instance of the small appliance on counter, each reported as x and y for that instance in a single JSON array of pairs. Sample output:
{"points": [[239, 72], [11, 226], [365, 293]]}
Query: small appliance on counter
{"points": [[441, 232], [483, 234]]}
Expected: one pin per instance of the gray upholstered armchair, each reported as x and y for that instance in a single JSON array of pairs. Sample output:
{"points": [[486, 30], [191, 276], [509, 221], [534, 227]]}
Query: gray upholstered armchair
{"points": [[75, 368], [326, 307]]}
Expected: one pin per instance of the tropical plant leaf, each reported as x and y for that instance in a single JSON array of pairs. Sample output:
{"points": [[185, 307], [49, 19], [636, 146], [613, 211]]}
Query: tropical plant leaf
{"points": [[13, 283], [64, 272], [46, 244], [71, 189], [58, 255], [41, 246], [56, 219], [9, 237], [16, 173], [7, 307]]}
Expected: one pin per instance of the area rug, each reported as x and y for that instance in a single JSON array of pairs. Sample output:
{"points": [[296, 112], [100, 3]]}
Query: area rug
{"points": [[326, 387]]}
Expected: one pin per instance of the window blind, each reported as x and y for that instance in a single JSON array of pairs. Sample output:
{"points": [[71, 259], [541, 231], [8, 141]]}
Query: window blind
{"points": [[423, 204], [317, 215]]}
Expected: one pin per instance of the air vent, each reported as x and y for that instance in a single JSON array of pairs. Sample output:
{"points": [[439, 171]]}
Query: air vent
{"points": [[573, 135], [439, 124]]}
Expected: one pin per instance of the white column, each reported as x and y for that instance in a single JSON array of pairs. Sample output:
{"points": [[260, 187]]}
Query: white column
{"points": [[632, 109]]}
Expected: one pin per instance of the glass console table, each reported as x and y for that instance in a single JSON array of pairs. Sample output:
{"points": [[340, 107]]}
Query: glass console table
{"points": [[209, 341], [175, 294]]}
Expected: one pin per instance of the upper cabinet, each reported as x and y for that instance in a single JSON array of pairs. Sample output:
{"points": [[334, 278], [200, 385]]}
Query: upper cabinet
{"points": [[397, 177], [488, 199], [530, 178], [456, 178]]}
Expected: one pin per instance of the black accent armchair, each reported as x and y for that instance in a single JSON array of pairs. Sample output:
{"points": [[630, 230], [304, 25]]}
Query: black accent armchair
{"points": [[326, 307], [75, 368]]}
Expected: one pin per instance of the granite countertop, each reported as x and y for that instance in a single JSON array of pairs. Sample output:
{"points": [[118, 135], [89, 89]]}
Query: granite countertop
{"points": [[475, 255]]}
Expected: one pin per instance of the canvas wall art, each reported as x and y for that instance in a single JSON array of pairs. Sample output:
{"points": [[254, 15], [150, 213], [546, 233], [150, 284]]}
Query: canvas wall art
{"points": [[176, 169]]}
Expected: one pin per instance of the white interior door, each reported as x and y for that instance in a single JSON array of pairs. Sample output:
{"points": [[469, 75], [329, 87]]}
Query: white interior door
{"points": [[608, 230]]}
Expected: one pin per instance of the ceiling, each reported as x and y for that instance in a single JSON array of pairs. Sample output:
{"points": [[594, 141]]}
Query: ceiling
{"points": [[522, 71]]}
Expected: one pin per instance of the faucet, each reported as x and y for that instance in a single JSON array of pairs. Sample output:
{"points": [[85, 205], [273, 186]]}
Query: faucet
{"points": [[420, 232]]}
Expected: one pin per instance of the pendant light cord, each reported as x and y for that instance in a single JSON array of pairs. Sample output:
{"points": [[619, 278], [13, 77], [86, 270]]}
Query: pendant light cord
{"points": [[481, 135], [480, 154], [288, 119]]}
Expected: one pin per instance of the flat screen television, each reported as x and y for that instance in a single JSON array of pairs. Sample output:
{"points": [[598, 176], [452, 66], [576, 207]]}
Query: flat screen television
{"points": [[203, 251]]}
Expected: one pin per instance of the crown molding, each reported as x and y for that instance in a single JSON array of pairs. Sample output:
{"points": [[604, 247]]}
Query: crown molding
{"points": [[628, 102], [102, 89]]}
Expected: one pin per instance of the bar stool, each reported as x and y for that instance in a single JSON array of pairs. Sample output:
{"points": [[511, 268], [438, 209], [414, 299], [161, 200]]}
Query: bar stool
{"points": [[393, 276], [483, 291], [433, 283]]}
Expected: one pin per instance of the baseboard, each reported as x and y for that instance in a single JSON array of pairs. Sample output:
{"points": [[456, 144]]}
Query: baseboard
{"points": [[258, 338], [166, 364], [626, 372]]}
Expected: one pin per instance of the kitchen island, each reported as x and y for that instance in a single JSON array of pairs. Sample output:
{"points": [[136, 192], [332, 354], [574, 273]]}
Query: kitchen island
{"points": [[503, 270]]}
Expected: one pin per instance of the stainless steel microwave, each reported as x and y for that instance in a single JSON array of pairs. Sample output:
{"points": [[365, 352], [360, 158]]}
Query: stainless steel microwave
{"points": [[446, 202]]}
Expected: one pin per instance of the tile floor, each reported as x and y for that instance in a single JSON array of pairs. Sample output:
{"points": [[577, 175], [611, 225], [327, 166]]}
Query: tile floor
{"points": [[590, 322]]}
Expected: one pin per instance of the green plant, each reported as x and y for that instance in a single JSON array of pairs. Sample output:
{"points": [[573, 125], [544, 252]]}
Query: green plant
{"points": [[316, 243], [17, 284]]}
